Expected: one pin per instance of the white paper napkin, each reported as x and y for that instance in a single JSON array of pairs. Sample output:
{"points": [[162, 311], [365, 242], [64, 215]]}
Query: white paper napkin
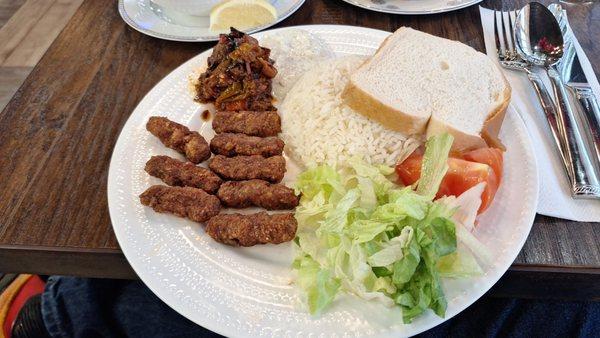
{"points": [[555, 198]]}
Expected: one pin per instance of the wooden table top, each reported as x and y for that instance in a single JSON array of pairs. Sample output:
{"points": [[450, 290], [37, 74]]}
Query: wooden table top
{"points": [[58, 132]]}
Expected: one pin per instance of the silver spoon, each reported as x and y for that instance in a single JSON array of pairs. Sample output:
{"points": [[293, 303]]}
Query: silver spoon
{"points": [[539, 40]]}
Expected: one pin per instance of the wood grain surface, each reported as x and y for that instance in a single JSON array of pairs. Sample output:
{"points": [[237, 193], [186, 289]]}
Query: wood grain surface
{"points": [[11, 79], [38, 38], [58, 132], [27, 28], [8, 8], [20, 24]]}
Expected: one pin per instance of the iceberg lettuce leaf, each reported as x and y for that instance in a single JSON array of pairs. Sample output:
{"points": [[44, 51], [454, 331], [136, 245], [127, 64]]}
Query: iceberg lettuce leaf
{"points": [[360, 233], [434, 165]]}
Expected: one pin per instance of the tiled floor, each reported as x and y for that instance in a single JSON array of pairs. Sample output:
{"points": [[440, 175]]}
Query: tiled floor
{"points": [[27, 28]]}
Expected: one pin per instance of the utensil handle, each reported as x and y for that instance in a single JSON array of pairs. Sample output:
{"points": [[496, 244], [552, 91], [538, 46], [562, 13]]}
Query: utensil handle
{"points": [[584, 183], [547, 105], [550, 112], [591, 112]]}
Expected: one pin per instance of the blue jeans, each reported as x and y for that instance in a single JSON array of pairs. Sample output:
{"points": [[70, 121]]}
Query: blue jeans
{"points": [[88, 308]]}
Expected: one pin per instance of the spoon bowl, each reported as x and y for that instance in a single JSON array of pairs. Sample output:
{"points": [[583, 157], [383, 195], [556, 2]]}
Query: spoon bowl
{"points": [[538, 36]]}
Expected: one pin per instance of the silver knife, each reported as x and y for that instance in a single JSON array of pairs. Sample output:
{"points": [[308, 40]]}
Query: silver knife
{"points": [[576, 80]]}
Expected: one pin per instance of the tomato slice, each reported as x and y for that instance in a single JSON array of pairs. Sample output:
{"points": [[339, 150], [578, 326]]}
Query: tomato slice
{"points": [[490, 156], [409, 171], [463, 173]]}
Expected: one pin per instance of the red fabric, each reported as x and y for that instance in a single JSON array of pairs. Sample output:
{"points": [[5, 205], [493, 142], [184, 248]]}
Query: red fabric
{"points": [[34, 286]]}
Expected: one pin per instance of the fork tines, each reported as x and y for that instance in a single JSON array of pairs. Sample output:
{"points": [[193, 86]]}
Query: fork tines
{"points": [[504, 34]]}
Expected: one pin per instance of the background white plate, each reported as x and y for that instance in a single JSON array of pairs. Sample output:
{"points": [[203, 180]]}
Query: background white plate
{"points": [[413, 6], [247, 291], [147, 18]]}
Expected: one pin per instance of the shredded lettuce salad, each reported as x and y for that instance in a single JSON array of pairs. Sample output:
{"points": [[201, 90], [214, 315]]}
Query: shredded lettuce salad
{"points": [[360, 233]]}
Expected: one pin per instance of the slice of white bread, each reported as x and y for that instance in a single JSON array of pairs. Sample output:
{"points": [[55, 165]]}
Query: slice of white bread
{"points": [[419, 83]]}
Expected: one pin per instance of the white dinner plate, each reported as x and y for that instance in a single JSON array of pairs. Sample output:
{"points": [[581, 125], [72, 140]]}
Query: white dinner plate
{"points": [[413, 6], [150, 19], [249, 291]]}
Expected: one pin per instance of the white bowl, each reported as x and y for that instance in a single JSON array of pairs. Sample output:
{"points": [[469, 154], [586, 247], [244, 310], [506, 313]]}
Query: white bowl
{"points": [[178, 8]]}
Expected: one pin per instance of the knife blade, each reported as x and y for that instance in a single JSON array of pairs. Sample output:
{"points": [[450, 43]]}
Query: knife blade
{"points": [[573, 74], [570, 67], [575, 79]]}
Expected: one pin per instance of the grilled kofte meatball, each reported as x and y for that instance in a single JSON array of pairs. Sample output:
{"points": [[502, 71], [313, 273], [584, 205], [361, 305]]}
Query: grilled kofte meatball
{"points": [[189, 202], [243, 194], [228, 144], [241, 168], [249, 230], [253, 123], [178, 137], [179, 173]]}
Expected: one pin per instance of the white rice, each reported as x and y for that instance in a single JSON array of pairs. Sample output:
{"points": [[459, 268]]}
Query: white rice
{"points": [[319, 129], [295, 51]]}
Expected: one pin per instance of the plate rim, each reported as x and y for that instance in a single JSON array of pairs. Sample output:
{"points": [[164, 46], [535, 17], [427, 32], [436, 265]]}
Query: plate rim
{"points": [[172, 302], [155, 34], [415, 12]]}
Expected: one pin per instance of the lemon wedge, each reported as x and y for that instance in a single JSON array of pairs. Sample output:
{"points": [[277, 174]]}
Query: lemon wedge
{"points": [[241, 14]]}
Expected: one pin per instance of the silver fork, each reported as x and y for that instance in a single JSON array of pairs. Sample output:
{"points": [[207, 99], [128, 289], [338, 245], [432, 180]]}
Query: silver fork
{"points": [[507, 54], [509, 58]]}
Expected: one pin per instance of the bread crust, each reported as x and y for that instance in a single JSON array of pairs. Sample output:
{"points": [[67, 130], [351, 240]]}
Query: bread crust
{"points": [[389, 117], [464, 141], [494, 121]]}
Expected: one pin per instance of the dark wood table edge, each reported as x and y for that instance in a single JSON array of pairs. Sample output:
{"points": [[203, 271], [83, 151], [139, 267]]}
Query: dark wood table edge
{"points": [[68, 261], [520, 281], [542, 268], [564, 283]]}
